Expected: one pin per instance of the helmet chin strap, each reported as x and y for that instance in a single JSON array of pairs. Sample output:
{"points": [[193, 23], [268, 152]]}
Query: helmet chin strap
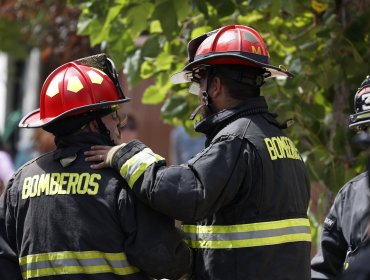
{"points": [[206, 99], [103, 129]]}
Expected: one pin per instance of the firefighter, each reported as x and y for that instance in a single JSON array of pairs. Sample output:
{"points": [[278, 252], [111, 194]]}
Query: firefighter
{"points": [[244, 198], [61, 220], [346, 227]]}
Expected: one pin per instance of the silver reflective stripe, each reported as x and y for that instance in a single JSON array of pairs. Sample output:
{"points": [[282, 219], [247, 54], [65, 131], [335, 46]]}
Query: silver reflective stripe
{"points": [[74, 262], [133, 168], [141, 157], [249, 235]]}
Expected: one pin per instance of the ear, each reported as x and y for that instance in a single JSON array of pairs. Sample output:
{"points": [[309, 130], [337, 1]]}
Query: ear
{"points": [[93, 126], [216, 87]]}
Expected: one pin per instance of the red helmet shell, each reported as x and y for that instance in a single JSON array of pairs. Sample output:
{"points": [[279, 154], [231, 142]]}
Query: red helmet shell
{"points": [[233, 44], [72, 89], [237, 39]]}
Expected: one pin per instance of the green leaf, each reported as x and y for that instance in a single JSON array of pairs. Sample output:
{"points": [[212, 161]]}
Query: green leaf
{"points": [[155, 27], [147, 69], [355, 53], [259, 4], [137, 18], [104, 31], [182, 9], [131, 68], [11, 40], [200, 31], [83, 25], [164, 61], [224, 7], [153, 95], [169, 21], [289, 6], [174, 106], [202, 6], [275, 8], [94, 30], [151, 47], [250, 18], [123, 45]]}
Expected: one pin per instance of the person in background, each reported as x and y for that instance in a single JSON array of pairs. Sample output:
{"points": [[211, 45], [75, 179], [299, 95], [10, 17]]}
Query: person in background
{"points": [[184, 146], [346, 227], [244, 198], [6, 166], [128, 128], [42, 142], [61, 220]]}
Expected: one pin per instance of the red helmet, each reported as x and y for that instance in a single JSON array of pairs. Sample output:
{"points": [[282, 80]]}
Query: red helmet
{"points": [[233, 44], [73, 89]]}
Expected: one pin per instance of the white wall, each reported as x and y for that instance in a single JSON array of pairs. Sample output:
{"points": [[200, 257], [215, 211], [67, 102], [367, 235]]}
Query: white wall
{"points": [[3, 89], [30, 100]]}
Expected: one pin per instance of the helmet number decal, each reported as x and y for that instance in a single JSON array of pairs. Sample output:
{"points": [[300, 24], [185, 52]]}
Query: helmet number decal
{"points": [[366, 101]]}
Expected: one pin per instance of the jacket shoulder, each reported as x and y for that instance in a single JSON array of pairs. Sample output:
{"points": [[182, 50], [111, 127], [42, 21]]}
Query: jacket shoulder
{"points": [[356, 183]]}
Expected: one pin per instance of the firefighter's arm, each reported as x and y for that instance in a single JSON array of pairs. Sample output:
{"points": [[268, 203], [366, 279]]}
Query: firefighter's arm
{"points": [[186, 192], [329, 261], [152, 242], [9, 266]]}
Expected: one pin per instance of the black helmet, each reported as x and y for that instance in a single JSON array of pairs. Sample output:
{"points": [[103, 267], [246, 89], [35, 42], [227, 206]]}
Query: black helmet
{"points": [[362, 105]]}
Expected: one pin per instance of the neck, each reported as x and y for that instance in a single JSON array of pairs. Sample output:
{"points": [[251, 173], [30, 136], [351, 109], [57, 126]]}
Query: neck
{"points": [[226, 103]]}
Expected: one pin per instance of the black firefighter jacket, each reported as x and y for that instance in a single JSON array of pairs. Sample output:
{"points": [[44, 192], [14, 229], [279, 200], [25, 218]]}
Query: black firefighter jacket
{"points": [[243, 199], [346, 230], [59, 219]]}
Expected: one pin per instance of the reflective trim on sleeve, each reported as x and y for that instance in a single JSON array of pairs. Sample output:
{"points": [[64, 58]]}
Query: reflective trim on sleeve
{"points": [[133, 168], [70, 262], [248, 235]]}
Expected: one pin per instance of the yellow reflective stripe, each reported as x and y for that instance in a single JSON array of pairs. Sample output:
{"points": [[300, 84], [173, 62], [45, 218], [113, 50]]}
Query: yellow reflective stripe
{"points": [[248, 235], [246, 227], [69, 262], [133, 168], [361, 116]]}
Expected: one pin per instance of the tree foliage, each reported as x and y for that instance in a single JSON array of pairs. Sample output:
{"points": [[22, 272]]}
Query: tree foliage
{"points": [[48, 25]]}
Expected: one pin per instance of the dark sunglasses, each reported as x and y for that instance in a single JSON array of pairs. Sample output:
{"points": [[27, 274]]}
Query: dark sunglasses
{"points": [[199, 73]]}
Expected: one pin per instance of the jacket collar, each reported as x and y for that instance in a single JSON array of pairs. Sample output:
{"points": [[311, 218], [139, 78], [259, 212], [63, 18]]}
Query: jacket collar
{"points": [[218, 120], [70, 144]]}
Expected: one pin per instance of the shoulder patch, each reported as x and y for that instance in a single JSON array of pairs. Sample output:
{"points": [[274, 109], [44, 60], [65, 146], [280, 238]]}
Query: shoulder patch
{"points": [[329, 223]]}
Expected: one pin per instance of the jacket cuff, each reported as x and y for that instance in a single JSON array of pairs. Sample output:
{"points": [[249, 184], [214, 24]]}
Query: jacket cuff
{"points": [[126, 152]]}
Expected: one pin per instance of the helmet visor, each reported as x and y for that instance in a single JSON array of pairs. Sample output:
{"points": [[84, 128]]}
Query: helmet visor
{"points": [[193, 75], [194, 88]]}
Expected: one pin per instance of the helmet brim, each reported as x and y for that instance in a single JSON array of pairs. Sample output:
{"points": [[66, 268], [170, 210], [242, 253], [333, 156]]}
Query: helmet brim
{"points": [[186, 75], [359, 119], [33, 119]]}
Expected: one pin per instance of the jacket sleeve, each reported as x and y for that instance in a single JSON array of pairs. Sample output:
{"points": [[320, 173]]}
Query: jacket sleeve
{"points": [[152, 242], [329, 261], [188, 192], [9, 265]]}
